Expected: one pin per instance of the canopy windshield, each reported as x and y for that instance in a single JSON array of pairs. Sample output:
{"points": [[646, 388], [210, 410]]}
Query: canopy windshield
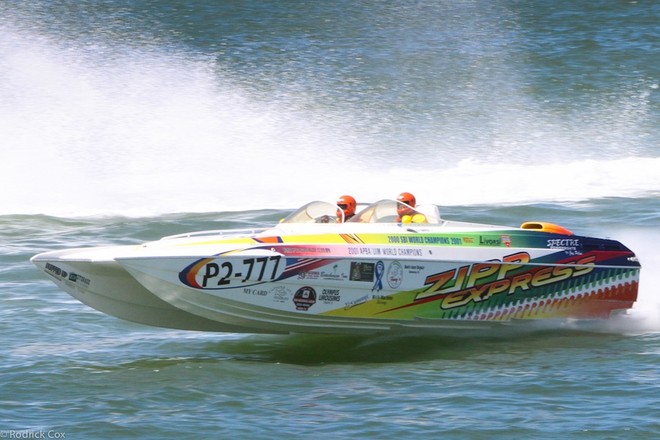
{"points": [[392, 211], [315, 212]]}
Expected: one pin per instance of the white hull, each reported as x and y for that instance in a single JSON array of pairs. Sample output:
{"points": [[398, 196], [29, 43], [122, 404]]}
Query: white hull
{"points": [[115, 292], [372, 276], [270, 320]]}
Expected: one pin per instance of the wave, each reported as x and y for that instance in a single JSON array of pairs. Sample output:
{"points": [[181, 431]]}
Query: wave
{"points": [[98, 130], [197, 182]]}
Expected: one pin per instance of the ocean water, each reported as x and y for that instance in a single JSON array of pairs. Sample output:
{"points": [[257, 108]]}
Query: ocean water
{"points": [[124, 121]]}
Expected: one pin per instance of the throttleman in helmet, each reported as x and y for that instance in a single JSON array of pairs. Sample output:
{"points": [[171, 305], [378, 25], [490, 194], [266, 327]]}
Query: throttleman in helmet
{"points": [[346, 205], [405, 209]]}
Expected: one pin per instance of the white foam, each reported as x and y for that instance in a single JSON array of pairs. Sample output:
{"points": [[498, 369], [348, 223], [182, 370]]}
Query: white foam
{"points": [[645, 315], [90, 130]]}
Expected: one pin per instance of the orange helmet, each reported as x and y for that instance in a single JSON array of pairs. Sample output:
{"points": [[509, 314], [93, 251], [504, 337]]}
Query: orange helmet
{"points": [[346, 204], [407, 198]]}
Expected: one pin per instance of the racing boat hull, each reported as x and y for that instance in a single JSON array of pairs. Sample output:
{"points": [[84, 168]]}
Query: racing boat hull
{"points": [[418, 288], [361, 278], [98, 281]]}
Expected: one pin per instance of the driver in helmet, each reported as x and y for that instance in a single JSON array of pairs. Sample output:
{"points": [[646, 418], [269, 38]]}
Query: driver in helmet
{"points": [[405, 209], [346, 205]]}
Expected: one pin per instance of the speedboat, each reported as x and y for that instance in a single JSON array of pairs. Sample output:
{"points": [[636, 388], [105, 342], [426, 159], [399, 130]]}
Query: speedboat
{"points": [[375, 273]]}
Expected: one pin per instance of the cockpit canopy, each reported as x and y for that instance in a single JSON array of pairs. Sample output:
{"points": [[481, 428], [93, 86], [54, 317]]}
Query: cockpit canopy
{"points": [[392, 211], [384, 211], [315, 212]]}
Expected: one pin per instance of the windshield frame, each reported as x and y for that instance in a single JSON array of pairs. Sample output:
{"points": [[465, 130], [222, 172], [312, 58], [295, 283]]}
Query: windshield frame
{"points": [[387, 211], [315, 212]]}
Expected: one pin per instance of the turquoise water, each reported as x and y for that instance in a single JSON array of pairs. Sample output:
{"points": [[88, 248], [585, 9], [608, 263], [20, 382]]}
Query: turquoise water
{"points": [[124, 121], [67, 368]]}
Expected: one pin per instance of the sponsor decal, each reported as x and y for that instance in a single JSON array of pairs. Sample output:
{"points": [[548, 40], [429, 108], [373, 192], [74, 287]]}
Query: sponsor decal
{"points": [[490, 241], [361, 271], [485, 240], [571, 246], [323, 274], [304, 298], [304, 250], [479, 282], [306, 275], [414, 268], [356, 302], [329, 296], [394, 275], [563, 243], [79, 279], [255, 291], [280, 294], [56, 271], [382, 299], [380, 271]]}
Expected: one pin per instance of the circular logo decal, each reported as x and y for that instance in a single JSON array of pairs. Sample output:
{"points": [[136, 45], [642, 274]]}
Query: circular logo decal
{"points": [[394, 274], [304, 298]]}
